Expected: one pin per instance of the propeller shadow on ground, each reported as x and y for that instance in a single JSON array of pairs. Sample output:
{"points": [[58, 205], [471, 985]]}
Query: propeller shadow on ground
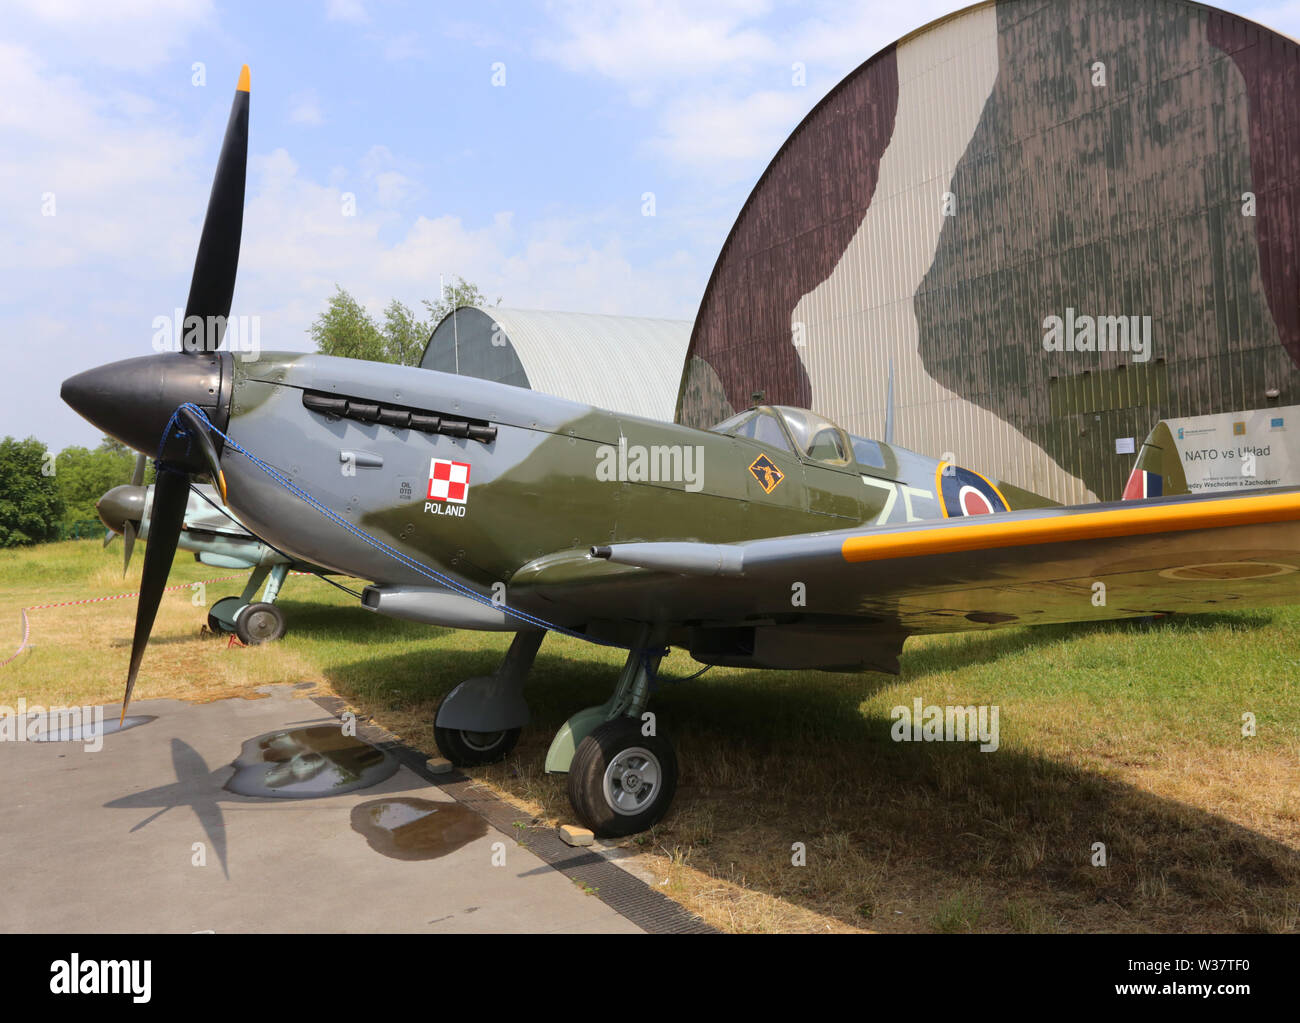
{"points": [[274, 768], [197, 787]]}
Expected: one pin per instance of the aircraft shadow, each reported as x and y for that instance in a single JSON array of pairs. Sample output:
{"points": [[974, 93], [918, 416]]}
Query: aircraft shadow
{"points": [[996, 841]]}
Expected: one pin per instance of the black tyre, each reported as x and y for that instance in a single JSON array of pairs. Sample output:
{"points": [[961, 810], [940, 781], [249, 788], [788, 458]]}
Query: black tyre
{"points": [[620, 781], [259, 623], [471, 749]]}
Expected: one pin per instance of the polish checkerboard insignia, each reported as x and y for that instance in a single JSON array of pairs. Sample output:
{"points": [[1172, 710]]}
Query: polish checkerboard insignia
{"points": [[448, 481]]}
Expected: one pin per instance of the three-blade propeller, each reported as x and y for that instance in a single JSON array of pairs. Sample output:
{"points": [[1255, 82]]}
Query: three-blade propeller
{"points": [[212, 289]]}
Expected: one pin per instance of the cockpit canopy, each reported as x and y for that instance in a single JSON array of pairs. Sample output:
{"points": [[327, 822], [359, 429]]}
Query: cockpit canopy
{"points": [[804, 433]]}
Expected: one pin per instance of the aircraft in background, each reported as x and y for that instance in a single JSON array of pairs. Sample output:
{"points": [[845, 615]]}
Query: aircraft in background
{"points": [[774, 540], [218, 539]]}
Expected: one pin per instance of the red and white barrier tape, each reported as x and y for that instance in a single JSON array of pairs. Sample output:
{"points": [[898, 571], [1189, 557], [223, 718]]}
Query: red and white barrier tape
{"points": [[116, 596], [21, 646]]}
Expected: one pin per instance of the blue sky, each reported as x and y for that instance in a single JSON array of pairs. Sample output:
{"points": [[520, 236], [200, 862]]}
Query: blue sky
{"points": [[533, 189]]}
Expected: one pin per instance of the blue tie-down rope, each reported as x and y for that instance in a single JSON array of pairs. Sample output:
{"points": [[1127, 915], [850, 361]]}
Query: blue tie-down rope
{"points": [[361, 534]]}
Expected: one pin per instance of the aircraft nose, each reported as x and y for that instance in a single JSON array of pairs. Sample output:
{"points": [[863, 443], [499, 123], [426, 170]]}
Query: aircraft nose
{"points": [[122, 505], [134, 399]]}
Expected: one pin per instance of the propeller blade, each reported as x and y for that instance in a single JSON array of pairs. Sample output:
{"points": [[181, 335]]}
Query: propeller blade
{"points": [[137, 474], [108, 537], [213, 285], [170, 496], [128, 542], [198, 430]]}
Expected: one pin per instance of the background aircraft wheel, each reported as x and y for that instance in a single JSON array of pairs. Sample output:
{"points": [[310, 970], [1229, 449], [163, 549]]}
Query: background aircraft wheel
{"points": [[470, 749], [620, 781], [259, 623], [222, 614]]}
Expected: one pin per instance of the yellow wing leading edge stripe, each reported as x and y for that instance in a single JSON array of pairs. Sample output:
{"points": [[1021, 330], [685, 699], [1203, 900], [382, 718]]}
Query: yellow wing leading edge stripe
{"points": [[977, 535]]}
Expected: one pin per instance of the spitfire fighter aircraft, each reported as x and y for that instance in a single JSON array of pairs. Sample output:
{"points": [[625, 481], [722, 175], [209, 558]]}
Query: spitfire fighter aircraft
{"points": [[774, 540], [217, 538]]}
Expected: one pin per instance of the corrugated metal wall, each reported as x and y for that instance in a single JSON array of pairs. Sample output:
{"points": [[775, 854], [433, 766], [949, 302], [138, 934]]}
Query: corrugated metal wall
{"points": [[959, 189]]}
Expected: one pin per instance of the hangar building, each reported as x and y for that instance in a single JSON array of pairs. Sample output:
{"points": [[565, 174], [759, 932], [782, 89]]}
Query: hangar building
{"points": [[622, 363], [1060, 221]]}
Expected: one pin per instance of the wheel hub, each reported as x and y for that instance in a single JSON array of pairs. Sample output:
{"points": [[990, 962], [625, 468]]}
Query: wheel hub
{"points": [[631, 781], [261, 625]]}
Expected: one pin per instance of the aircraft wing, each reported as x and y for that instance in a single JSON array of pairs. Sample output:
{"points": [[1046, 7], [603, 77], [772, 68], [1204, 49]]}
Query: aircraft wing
{"points": [[1186, 554]]}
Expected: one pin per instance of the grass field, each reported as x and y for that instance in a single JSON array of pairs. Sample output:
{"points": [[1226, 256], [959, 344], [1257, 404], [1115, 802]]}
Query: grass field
{"points": [[1124, 734]]}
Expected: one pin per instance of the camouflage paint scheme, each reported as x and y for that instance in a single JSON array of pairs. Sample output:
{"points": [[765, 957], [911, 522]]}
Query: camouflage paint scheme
{"points": [[536, 508], [1123, 199], [534, 489]]}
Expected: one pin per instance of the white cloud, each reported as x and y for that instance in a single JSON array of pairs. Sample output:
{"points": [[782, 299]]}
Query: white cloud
{"points": [[647, 40], [298, 245], [720, 72], [131, 35], [727, 136], [117, 171], [403, 46], [304, 108], [347, 10]]}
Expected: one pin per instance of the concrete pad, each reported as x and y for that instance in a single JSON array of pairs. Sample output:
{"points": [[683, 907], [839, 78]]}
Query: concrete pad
{"points": [[106, 841]]}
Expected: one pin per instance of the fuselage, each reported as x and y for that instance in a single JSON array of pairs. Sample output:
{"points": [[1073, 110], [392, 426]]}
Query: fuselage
{"points": [[475, 479]]}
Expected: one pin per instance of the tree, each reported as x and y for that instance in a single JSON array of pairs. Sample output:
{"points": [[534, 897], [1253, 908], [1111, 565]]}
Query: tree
{"points": [[404, 335], [30, 506], [459, 295], [84, 475], [345, 329]]}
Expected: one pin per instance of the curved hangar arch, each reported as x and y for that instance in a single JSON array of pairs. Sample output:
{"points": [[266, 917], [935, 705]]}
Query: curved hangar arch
{"points": [[999, 183]]}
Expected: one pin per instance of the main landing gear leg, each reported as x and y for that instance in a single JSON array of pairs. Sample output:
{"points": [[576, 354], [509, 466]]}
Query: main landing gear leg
{"points": [[622, 772], [478, 722]]}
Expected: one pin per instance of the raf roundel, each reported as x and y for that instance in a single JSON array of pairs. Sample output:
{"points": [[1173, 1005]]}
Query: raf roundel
{"points": [[448, 481], [965, 492]]}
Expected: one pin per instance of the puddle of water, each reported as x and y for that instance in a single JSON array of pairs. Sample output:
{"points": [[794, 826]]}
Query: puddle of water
{"points": [[304, 763], [57, 727], [404, 828]]}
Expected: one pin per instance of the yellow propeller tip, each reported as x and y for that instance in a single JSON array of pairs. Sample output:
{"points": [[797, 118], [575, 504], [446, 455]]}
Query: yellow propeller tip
{"points": [[221, 485], [243, 80]]}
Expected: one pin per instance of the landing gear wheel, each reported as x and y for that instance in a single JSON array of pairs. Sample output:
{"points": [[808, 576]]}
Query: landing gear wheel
{"points": [[620, 781], [472, 749], [259, 623], [221, 614]]}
